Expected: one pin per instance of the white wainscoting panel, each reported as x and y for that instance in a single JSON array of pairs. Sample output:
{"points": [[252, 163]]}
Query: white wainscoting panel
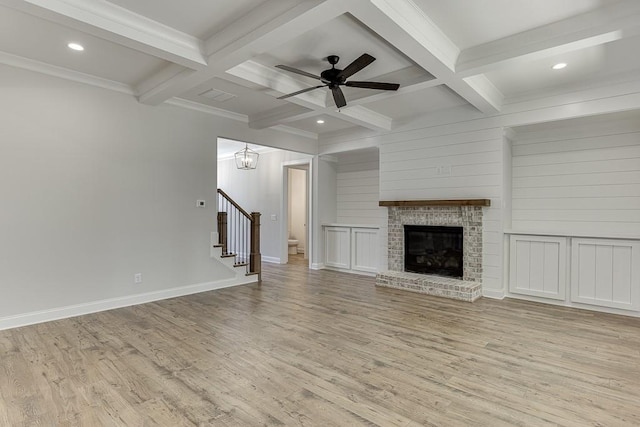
{"points": [[364, 249], [606, 273], [337, 247], [538, 266]]}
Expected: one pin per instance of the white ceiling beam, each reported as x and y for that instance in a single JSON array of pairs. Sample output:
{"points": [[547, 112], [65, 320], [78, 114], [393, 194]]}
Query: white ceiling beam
{"points": [[273, 24], [409, 29], [593, 28], [114, 23]]}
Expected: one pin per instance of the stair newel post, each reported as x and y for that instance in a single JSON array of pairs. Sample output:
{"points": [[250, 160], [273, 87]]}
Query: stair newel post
{"points": [[255, 259], [222, 231]]}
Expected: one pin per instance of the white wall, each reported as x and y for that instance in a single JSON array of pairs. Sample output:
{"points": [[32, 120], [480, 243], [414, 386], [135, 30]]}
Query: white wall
{"points": [[261, 190], [578, 177], [95, 187], [298, 206]]}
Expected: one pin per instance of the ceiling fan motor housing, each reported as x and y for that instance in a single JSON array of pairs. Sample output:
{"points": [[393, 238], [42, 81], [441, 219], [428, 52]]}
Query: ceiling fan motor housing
{"points": [[331, 77]]}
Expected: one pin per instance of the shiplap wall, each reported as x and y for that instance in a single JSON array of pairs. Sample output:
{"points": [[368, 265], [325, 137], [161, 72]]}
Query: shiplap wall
{"points": [[358, 192], [427, 164], [358, 188], [582, 176]]}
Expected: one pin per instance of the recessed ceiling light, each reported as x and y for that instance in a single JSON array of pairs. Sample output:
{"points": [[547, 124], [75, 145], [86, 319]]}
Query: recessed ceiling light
{"points": [[320, 121], [76, 46], [559, 66]]}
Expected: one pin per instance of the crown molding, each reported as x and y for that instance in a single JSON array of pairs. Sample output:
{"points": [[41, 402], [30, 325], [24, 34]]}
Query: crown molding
{"points": [[63, 73]]}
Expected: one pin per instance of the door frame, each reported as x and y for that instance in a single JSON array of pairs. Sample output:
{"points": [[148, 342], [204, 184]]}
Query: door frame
{"points": [[307, 165]]}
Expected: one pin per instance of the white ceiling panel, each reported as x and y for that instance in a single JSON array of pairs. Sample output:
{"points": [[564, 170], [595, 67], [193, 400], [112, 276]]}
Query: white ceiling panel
{"points": [[247, 101], [583, 66], [330, 124], [472, 22], [41, 40], [200, 18], [344, 36], [418, 103]]}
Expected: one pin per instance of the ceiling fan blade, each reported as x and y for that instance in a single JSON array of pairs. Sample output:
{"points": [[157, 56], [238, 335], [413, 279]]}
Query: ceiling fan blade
{"points": [[374, 85], [338, 97], [357, 65], [300, 91], [295, 70]]}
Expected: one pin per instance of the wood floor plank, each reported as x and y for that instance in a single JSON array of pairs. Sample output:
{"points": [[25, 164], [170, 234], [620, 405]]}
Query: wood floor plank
{"points": [[323, 348]]}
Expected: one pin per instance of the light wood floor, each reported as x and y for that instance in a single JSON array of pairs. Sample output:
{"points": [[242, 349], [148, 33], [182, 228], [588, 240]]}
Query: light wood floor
{"points": [[323, 349]]}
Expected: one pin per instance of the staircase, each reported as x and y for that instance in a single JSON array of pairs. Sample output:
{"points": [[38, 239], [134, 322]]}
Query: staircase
{"points": [[239, 235]]}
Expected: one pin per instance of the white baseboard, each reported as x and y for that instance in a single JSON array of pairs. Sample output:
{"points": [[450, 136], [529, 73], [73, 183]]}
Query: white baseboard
{"points": [[26, 319], [493, 293], [348, 270], [317, 266], [270, 259]]}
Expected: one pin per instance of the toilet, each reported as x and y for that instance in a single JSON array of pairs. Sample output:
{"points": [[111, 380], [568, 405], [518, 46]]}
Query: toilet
{"points": [[293, 246]]}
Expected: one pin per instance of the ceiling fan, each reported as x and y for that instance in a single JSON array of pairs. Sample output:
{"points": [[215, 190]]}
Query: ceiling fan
{"points": [[334, 77]]}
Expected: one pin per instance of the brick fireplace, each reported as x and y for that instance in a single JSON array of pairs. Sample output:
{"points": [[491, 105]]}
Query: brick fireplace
{"points": [[459, 213]]}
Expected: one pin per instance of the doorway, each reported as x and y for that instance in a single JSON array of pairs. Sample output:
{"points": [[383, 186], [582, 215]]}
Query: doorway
{"points": [[296, 235]]}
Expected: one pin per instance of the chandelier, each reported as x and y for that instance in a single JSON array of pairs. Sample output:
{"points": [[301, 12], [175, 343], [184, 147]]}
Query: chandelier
{"points": [[246, 158]]}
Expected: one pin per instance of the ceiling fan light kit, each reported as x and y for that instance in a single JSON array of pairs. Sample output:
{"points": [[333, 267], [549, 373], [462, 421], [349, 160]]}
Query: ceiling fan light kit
{"points": [[334, 77]]}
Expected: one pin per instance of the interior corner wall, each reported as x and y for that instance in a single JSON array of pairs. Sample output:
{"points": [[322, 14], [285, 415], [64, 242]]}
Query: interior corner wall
{"points": [[261, 190], [96, 187]]}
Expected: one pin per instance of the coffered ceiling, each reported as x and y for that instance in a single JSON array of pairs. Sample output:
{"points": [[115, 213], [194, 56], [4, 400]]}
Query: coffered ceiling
{"points": [[220, 56]]}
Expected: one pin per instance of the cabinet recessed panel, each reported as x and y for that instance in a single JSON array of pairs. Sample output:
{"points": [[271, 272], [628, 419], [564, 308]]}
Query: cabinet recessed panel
{"points": [[538, 266], [606, 273]]}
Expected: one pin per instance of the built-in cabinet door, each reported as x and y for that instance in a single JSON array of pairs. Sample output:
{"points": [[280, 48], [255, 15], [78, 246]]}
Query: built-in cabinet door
{"points": [[337, 247], [606, 273], [364, 249], [538, 266]]}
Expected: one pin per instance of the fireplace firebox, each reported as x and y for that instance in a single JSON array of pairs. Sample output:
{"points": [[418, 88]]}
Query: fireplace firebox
{"points": [[433, 250]]}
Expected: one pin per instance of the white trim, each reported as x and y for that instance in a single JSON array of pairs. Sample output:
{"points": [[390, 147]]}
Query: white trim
{"points": [[63, 73], [317, 266], [350, 271], [575, 305], [493, 294], [271, 259], [26, 319], [179, 102]]}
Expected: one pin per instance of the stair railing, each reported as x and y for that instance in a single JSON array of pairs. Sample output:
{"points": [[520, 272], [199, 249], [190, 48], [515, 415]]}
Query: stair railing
{"points": [[239, 234]]}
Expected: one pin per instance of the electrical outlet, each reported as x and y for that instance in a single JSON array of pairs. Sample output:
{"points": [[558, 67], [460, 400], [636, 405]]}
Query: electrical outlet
{"points": [[274, 217], [137, 278]]}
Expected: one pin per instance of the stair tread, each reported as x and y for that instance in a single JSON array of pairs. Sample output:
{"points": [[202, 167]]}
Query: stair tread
{"points": [[227, 255], [241, 264]]}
